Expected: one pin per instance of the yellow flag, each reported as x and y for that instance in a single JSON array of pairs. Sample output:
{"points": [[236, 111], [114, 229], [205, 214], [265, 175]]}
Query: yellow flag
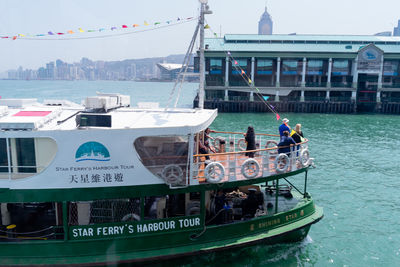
{"points": [[292, 132], [145, 23], [206, 27], [249, 81], [80, 29]]}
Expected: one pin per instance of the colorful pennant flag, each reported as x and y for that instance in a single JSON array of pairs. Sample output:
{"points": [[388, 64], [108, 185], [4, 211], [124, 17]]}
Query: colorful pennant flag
{"points": [[265, 98], [80, 30], [236, 62], [277, 117], [113, 28], [156, 23], [70, 32], [50, 33], [124, 26], [249, 81], [145, 23], [135, 25], [207, 26]]}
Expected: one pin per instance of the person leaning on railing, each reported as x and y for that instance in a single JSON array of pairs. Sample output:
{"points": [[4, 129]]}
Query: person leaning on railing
{"points": [[284, 144], [297, 136]]}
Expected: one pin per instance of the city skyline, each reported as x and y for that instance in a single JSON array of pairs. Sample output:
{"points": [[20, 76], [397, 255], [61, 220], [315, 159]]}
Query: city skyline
{"points": [[303, 17]]}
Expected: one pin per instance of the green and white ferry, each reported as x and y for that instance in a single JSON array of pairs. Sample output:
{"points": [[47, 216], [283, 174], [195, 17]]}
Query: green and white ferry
{"points": [[105, 183]]}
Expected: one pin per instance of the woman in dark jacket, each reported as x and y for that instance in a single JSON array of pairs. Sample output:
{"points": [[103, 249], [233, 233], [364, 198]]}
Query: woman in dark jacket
{"points": [[250, 138]]}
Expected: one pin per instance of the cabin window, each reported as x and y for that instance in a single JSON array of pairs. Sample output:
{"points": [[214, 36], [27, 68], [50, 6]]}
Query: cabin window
{"points": [[3, 155], [169, 206], [27, 156], [104, 211], [162, 153]]}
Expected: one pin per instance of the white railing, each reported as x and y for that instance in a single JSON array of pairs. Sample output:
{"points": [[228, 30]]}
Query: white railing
{"points": [[230, 163]]}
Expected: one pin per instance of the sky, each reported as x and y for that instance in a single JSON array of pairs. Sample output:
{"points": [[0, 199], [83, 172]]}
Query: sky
{"points": [[358, 17]]}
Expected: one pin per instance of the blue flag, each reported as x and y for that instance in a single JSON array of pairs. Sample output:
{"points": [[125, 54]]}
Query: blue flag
{"points": [[265, 98]]}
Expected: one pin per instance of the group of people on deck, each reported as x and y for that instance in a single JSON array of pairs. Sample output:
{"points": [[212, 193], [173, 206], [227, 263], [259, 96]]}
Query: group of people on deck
{"points": [[289, 137]]}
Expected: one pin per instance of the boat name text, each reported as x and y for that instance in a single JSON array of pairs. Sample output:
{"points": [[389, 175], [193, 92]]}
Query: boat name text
{"points": [[133, 228]]}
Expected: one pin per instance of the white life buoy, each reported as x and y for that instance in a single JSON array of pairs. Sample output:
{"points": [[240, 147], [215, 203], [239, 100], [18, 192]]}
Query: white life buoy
{"points": [[272, 144], [130, 217], [214, 172], [250, 168], [305, 157], [172, 174], [241, 144], [281, 163]]}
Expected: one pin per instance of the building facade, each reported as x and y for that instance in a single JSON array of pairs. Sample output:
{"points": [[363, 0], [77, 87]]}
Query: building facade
{"points": [[307, 73]]}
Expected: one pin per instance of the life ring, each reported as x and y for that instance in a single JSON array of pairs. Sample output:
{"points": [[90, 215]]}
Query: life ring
{"points": [[214, 172], [130, 217], [217, 143], [241, 144], [250, 168], [172, 174], [305, 157], [275, 145], [281, 163]]}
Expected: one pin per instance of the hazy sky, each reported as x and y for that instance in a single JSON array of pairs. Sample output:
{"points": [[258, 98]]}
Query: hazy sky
{"points": [[361, 17]]}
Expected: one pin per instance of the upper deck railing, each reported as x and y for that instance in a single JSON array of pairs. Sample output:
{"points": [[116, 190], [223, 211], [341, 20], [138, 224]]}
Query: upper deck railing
{"points": [[231, 162]]}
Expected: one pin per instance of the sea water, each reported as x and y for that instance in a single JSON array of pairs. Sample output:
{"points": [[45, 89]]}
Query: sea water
{"points": [[356, 179]]}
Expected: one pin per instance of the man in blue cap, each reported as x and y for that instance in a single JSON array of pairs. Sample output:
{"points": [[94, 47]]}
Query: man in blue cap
{"points": [[284, 127]]}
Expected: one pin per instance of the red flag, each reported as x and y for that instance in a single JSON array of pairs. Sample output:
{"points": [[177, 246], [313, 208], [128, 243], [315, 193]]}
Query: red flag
{"points": [[124, 26], [14, 37], [235, 62], [277, 117]]}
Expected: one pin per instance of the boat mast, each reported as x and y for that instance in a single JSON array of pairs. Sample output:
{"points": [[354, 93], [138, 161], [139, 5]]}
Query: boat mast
{"points": [[204, 9]]}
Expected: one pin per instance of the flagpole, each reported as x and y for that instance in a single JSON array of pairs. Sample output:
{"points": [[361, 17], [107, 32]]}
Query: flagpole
{"points": [[203, 10]]}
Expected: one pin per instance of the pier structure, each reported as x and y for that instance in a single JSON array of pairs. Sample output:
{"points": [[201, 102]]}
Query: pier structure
{"points": [[303, 73]]}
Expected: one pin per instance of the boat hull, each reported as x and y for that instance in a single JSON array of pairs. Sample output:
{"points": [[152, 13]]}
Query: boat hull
{"points": [[164, 246]]}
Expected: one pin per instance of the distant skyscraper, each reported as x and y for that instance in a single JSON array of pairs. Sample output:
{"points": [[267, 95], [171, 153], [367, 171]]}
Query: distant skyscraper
{"points": [[396, 30], [265, 24]]}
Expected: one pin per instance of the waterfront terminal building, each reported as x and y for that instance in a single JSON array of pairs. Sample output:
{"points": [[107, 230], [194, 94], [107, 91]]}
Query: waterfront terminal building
{"points": [[303, 73]]}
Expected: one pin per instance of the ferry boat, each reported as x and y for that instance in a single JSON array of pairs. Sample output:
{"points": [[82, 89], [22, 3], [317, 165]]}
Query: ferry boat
{"points": [[105, 183]]}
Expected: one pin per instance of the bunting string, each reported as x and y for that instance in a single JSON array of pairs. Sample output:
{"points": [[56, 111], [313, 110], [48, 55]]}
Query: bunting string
{"points": [[245, 76], [130, 29]]}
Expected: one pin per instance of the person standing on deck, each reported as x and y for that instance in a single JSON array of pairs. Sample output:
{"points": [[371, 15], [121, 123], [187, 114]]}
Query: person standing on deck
{"points": [[284, 127], [284, 144], [250, 141], [298, 137]]}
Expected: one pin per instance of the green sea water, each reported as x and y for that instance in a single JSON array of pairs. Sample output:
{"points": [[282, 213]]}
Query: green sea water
{"points": [[356, 179]]}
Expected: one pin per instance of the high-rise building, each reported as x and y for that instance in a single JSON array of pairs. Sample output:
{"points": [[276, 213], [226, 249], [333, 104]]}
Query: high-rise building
{"points": [[396, 30], [265, 24]]}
